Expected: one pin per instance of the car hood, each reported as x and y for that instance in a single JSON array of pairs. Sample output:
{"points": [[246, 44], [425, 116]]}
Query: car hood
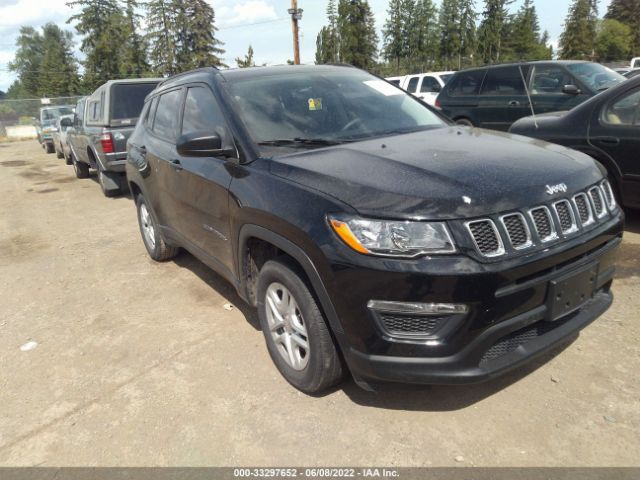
{"points": [[452, 172]]}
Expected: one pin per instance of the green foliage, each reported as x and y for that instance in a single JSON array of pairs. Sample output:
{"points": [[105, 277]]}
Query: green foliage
{"points": [[59, 72], [628, 13], [358, 40], [247, 61], [614, 41], [523, 41], [578, 38], [26, 63], [327, 41], [494, 29], [397, 31], [423, 37], [133, 57], [161, 35]]}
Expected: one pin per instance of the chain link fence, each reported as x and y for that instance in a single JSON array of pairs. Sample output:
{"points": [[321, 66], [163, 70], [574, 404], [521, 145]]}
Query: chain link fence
{"points": [[26, 112]]}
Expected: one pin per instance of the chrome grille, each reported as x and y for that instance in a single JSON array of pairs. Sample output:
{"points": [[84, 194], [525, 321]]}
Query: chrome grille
{"points": [[598, 201], [608, 193], [486, 237], [566, 217], [517, 229], [543, 223], [584, 209]]}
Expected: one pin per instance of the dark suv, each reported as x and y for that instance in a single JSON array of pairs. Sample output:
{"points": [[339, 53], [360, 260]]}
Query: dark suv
{"points": [[370, 232], [495, 97]]}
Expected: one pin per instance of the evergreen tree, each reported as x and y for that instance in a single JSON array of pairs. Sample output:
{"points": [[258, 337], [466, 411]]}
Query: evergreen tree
{"points": [[523, 41], [397, 31], [357, 33], [578, 38], [26, 63], [466, 32], [101, 24], [161, 35], [133, 57], [196, 30], [423, 36], [247, 61], [58, 72], [494, 28], [450, 42], [628, 13], [327, 42]]}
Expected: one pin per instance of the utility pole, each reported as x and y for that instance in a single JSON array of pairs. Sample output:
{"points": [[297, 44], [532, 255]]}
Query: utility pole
{"points": [[296, 14]]}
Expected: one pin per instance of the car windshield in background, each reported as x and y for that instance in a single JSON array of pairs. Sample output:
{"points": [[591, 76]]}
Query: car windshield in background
{"points": [[596, 76], [445, 78], [127, 99], [50, 115], [326, 108]]}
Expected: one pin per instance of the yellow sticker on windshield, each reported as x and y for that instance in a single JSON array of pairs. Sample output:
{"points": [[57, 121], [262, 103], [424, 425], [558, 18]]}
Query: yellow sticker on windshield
{"points": [[315, 104]]}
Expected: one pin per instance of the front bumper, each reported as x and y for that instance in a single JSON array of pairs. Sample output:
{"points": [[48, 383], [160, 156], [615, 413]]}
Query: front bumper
{"points": [[511, 318]]}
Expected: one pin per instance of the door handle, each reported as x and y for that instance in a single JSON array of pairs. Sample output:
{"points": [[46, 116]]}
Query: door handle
{"points": [[608, 140], [514, 103], [176, 163]]}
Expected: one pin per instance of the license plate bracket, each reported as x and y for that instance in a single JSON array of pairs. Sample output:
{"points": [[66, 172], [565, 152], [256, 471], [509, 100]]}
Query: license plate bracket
{"points": [[569, 292]]}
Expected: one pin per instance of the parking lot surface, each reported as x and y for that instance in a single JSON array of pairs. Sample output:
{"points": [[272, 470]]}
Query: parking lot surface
{"points": [[110, 359]]}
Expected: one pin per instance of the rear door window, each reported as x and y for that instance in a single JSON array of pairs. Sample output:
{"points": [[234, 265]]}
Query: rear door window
{"points": [[504, 81], [466, 83], [165, 122], [429, 84], [412, 87], [127, 100]]}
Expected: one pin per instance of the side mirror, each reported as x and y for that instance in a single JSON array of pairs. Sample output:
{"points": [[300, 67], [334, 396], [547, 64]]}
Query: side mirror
{"points": [[202, 144], [571, 90]]}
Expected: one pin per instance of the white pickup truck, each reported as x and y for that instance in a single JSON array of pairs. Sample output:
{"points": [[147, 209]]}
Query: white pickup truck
{"points": [[425, 86], [635, 63]]}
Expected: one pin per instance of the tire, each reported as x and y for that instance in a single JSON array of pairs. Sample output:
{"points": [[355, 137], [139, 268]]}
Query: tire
{"points": [[50, 148], [81, 169], [59, 153], [68, 160], [154, 243], [465, 122], [313, 368], [103, 180]]}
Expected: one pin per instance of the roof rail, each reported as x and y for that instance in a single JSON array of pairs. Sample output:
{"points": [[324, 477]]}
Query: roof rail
{"points": [[181, 74]]}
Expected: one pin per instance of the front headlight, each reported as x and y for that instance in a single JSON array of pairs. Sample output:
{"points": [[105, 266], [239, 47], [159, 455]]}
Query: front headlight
{"points": [[391, 237]]}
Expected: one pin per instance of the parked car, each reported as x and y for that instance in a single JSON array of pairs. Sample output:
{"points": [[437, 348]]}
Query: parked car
{"points": [[101, 127], [46, 125], [59, 136], [397, 81], [606, 127], [426, 86], [494, 97], [634, 63], [366, 228]]}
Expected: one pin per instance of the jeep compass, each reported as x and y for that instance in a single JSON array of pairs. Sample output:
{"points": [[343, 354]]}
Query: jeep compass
{"points": [[373, 236]]}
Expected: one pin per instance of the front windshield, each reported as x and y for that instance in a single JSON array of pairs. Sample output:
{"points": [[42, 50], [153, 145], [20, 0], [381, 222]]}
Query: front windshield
{"points": [[595, 76], [312, 109], [49, 115]]}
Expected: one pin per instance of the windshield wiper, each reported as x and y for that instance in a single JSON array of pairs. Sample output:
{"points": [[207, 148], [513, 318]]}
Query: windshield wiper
{"points": [[302, 142]]}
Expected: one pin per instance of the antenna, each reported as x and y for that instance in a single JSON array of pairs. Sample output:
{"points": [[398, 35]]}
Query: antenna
{"points": [[526, 89]]}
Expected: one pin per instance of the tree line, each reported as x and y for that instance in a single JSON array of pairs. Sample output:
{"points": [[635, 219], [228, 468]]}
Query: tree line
{"points": [[419, 35]]}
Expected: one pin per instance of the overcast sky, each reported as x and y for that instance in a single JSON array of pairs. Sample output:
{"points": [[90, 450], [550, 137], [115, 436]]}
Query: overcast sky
{"points": [[270, 35]]}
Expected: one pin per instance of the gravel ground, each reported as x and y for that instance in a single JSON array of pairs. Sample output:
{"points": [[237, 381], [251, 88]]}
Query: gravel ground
{"points": [[137, 363]]}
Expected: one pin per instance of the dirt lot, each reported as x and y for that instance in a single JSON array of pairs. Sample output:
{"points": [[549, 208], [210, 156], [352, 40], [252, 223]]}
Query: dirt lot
{"points": [[138, 363]]}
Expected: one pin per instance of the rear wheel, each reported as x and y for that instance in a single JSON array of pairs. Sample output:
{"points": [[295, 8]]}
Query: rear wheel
{"points": [[296, 333], [464, 121], [50, 148], [81, 169], [59, 152], [151, 236], [67, 159]]}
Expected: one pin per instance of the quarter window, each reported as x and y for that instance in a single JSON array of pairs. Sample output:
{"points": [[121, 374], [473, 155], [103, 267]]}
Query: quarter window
{"points": [[165, 123], [624, 111]]}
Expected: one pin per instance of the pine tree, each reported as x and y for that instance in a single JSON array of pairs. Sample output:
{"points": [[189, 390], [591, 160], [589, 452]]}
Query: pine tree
{"points": [[101, 23], [578, 38], [423, 36], [467, 32], [327, 42], [450, 42], [26, 63], [247, 61], [494, 28], [161, 35], [58, 72], [397, 31], [628, 13], [133, 56], [198, 46], [357, 33]]}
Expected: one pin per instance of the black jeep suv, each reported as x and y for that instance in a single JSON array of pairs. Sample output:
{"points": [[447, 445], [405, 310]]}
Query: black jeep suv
{"points": [[371, 233]]}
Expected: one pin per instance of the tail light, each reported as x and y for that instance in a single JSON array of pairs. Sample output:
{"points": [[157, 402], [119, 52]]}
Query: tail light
{"points": [[438, 103], [107, 143]]}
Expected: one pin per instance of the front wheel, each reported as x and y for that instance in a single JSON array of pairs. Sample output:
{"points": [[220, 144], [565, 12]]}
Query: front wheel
{"points": [[151, 236], [296, 333]]}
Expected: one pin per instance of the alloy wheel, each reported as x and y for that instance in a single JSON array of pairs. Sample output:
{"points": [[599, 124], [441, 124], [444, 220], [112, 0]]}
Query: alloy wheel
{"points": [[148, 230]]}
